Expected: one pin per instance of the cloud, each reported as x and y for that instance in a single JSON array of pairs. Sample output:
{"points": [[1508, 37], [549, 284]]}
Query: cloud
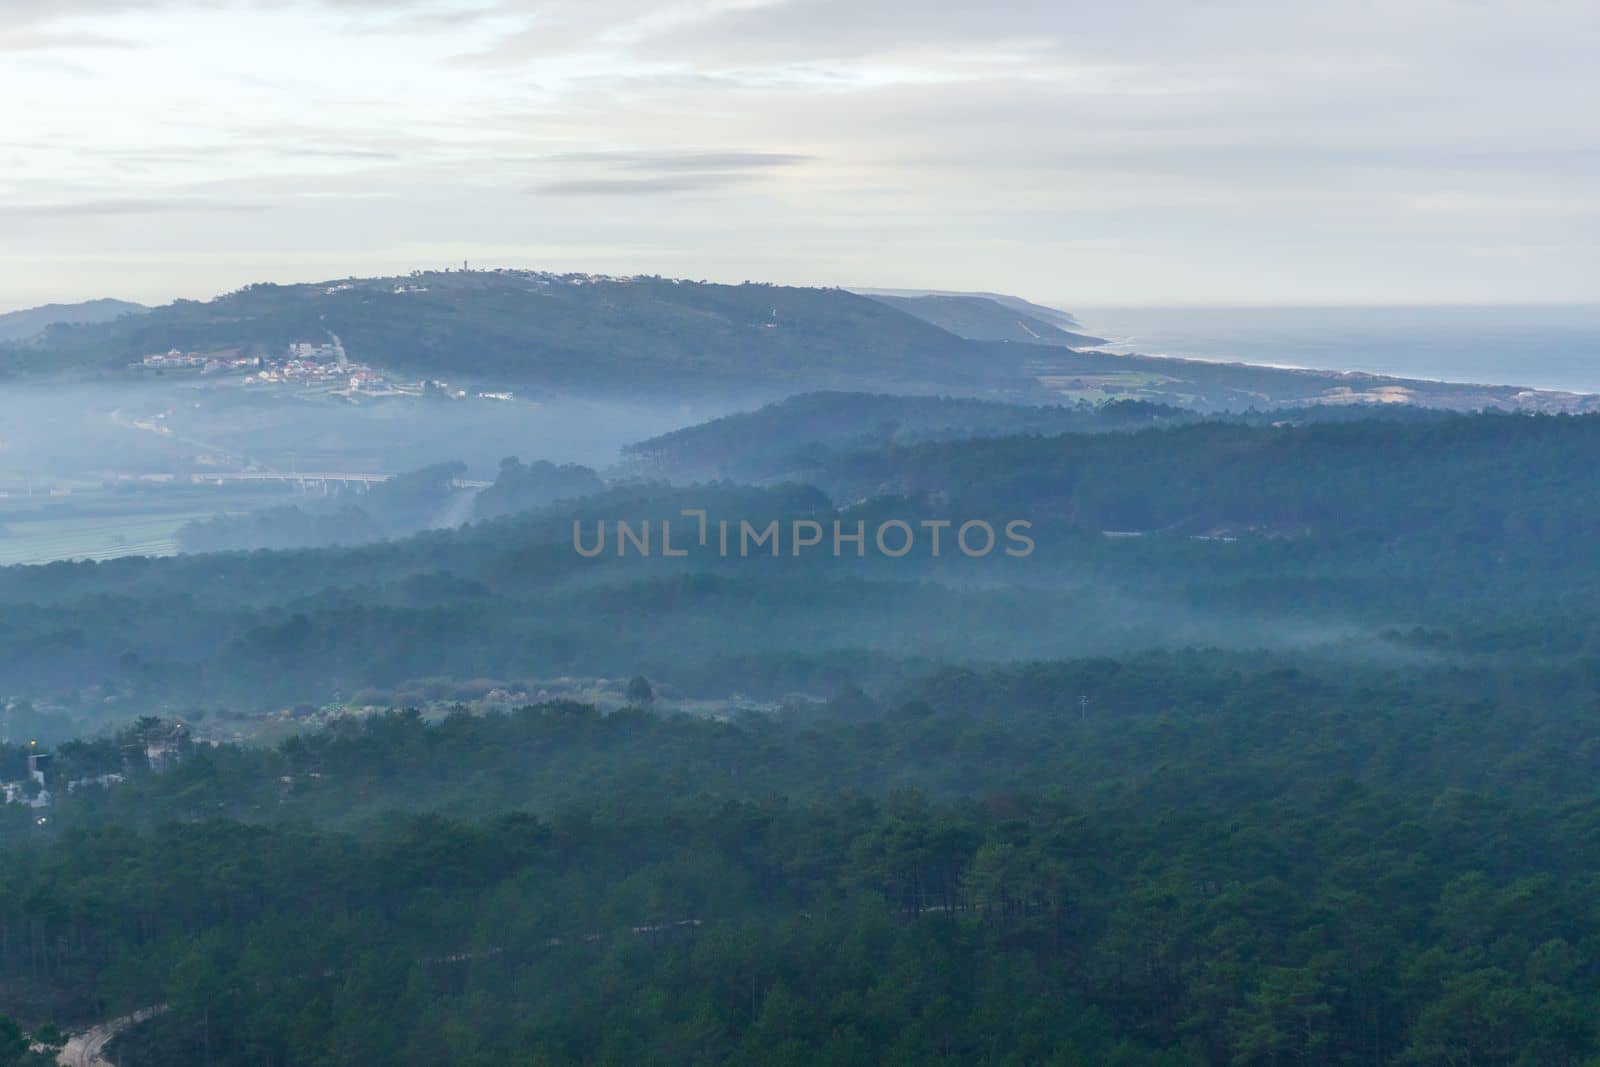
{"points": [[687, 161], [636, 186], [722, 161], [108, 208], [670, 171], [25, 13], [1140, 151], [30, 40], [1510, 205], [309, 152]]}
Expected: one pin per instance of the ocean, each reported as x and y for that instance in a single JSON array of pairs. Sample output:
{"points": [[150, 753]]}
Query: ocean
{"points": [[1545, 347]]}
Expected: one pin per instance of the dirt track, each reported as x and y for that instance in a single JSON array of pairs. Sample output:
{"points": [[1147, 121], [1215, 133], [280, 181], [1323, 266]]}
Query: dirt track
{"points": [[88, 1048]]}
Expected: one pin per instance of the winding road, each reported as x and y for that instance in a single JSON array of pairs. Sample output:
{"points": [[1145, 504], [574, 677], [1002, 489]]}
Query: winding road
{"points": [[88, 1048]]}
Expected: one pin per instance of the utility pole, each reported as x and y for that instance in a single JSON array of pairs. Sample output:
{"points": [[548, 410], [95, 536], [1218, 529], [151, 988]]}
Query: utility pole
{"points": [[1083, 708]]}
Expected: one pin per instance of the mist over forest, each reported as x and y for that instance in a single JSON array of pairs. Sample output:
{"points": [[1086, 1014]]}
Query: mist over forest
{"points": [[485, 694], [783, 533]]}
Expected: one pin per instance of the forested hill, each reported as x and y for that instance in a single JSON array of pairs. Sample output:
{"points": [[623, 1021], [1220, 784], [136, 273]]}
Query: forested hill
{"points": [[575, 331], [30, 322], [1014, 305], [983, 318], [1466, 527], [1340, 810], [800, 435], [1207, 866], [1501, 477], [801, 432], [663, 338]]}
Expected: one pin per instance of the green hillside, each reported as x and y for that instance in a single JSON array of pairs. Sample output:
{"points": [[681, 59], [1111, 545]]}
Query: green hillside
{"points": [[802, 432], [30, 322], [664, 338], [572, 331], [982, 318], [1252, 536]]}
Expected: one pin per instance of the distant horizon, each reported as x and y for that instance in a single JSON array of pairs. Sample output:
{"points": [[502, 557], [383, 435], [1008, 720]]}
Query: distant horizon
{"points": [[11, 306], [1542, 345]]}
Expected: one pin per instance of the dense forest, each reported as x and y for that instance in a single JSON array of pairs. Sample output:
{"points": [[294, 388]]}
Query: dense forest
{"points": [[31, 322], [404, 504], [416, 651], [1461, 539], [796, 437], [1280, 746], [1204, 864]]}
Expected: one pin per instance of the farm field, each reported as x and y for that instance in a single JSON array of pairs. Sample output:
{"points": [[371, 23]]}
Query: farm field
{"points": [[102, 524], [94, 537]]}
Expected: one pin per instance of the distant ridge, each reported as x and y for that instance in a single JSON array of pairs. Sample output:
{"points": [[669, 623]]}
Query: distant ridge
{"points": [[640, 334], [1054, 316], [987, 318], [30, 322], [648, 336]]}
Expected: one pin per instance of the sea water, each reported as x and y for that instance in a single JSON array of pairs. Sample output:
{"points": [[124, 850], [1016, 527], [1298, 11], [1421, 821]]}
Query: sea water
{"points": [[1545, 347]]}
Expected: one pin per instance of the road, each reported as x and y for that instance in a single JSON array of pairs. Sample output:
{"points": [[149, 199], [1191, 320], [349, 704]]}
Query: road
{"points": [[88, 1048]]}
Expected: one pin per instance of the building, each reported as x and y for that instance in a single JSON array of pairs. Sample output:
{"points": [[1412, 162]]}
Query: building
{"points": [[21, 793], [173, 359], [315, 350], [103, 781]]}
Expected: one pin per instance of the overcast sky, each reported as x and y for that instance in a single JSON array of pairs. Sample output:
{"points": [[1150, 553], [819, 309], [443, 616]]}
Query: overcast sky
{"points": [[1079, 154]]}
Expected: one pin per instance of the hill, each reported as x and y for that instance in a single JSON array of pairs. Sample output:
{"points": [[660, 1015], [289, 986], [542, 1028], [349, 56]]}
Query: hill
{"points": [[553, 884], [983, 318], [561, 331], [803, 432], [30, 322], [1054, 316], [1093, 375], [1291, 760], [652, 337], [1254, 536], [1488, 479]]}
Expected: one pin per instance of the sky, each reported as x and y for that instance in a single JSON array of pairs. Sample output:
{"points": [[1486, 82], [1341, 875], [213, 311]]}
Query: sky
{"points": [[1129, 153]]}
